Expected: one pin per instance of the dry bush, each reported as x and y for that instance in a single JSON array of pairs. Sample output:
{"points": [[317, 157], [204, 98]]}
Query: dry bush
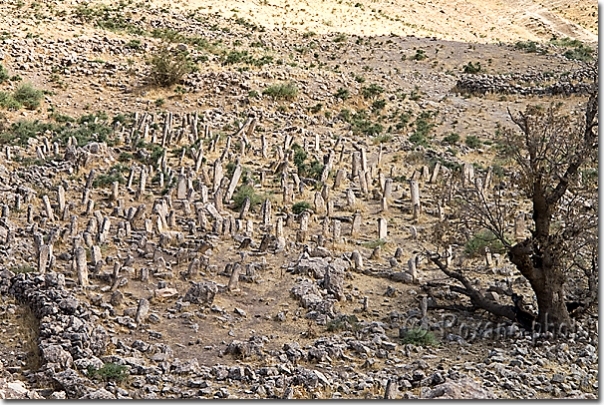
{"points": [[168, 66]]}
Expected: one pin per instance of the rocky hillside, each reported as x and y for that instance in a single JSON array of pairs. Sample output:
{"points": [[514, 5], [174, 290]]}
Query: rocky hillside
{"points": [[234, 200]]}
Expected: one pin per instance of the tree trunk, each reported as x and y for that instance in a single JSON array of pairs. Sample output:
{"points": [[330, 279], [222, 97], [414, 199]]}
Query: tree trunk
{"points": [[551, 302], [547, 281]]}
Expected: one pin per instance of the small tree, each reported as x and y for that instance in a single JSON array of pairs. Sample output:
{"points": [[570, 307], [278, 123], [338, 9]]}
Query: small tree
{"points": [[554, 158]]}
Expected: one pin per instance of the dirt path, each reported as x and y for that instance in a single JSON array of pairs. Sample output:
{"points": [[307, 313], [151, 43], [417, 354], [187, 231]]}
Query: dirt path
{"points": [[536, 17]]}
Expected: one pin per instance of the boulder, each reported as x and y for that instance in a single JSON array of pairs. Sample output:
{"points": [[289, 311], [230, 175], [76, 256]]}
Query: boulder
{"points": [[201, 293], [464, 388]]}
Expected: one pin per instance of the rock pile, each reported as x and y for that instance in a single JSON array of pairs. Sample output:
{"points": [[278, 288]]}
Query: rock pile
{"points": [[510, 84]]}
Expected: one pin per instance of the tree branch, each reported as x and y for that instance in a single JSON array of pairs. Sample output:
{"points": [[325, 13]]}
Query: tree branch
{"points": [[476, 298]]}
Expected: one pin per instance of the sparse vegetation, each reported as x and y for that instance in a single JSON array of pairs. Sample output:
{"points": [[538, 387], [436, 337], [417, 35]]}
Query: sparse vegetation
{"points": [[284, 91], [372, 91], [582, 53], [28, 96], [316, 108], [382, 139], [378, 105], [419, 337], [374, 243], [245, 191], [476, 246], [471, 68], [197, 84], [24, 96], [311, 169], [23, 268], [134, 44], [344, 322], [105, 180], [423, 126], [473, 141], [420, 54], [4, 76], [108, 372], [527, 46], [234, 57], [341, 37], [300, 207], [342, 94], [452, 138], [84, 130], [168, 66]]}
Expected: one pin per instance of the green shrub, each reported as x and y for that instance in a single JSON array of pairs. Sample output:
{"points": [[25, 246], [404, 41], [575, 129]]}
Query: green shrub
{"points": [[123, 119], [415, 94], [378, 105], [300, 207], [168, 35], [452, 138], [242, 193], [300, 156], [249, 25], [23, 268], [498, 171], [284, 91], [28, 96], [316, 108], [419, 337], [371, 91], [236, 57], [4, 76], [345, 115], [374, 243], [313, 170], [107, 17], [344, 322], [382, 139], [368, 128], [420, 54], [418, 139], [473, 142], [342, 94], [340, 38], [471, 68], [61, 118], [359, 78], [19, 132], [7, 101], [527, 46], [582, 53], [475, 247], [124, 157], [361, 124], [566, 41], [134, 44], [104, 180], [403, 120], [168, 67], [109, 371], [86, 130], [422, 128]]}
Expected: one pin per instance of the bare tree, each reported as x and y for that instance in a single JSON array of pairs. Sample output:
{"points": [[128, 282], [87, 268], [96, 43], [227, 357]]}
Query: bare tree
{"points": [[555, 160]]}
